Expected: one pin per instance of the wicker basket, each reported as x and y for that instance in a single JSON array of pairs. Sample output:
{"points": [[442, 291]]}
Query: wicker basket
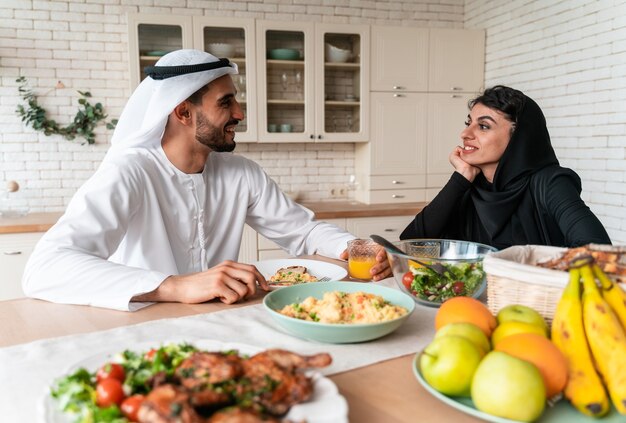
{"points": [[513, 278]]}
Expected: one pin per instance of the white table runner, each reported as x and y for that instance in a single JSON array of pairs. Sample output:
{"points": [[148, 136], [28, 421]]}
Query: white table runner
{"points": [[27, 369]]}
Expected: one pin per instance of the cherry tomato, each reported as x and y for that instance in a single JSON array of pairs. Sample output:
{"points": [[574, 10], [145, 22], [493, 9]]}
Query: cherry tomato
{"points": [[407, 280], [109, 391], [150, 354], [111, 370], [458, 288], [130, 407]]}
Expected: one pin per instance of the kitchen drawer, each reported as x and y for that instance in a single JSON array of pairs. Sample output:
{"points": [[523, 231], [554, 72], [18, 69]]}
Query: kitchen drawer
{"points": [[273, 254], [15, 249], [389, 227], [397, 181], [266, 244], [396, 196], [438, 180]]}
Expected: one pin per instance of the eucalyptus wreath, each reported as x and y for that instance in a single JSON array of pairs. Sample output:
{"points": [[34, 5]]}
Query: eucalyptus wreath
{"points": [[87, 118]]}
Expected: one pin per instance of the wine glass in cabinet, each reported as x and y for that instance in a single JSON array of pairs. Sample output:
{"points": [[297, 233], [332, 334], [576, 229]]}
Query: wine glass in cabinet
{"points": [[234, 40]]}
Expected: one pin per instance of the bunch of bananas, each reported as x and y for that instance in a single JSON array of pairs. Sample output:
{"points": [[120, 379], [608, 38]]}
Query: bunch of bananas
{"points": [[591, 333]]}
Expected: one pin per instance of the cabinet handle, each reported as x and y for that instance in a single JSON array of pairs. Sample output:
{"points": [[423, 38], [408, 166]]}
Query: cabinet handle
{"points": [[396, 182], [397, 196], [312, 136], [398, 87], [455, 96], [12, 253], [319, 137], [389, 230], [398, 95], [456, 88]]}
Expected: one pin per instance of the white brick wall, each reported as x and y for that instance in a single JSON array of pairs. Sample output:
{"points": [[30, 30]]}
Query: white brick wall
{"points": [[84, 44], [570, 56]]}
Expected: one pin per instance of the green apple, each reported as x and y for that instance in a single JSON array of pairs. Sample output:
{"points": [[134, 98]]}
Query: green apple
{"points": [[508, 387], [469, 331], [448, 364], [521, 313]]}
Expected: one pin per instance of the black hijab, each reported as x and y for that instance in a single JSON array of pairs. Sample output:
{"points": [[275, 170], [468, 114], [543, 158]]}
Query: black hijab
{"points": [[504, 209]]}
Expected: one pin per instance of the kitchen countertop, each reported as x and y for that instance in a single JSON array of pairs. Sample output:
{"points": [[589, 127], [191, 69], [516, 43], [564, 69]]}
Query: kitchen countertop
{"points": [[41, 222]]}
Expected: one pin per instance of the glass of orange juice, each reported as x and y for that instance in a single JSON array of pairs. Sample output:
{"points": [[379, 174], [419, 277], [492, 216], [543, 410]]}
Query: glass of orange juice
{"points": [[361, 258]]}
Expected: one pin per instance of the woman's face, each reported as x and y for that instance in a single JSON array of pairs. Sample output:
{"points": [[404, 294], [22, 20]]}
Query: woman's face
{"points": [[485, 137]]}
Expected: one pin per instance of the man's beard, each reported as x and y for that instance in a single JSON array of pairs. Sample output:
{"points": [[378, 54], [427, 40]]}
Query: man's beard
{"points": [[212, 136]]}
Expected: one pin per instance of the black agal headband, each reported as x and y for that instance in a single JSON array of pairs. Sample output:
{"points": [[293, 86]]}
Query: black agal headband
{"points": [[164, 72]]}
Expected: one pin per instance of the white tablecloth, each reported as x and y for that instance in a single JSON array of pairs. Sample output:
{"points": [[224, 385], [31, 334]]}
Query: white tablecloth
{"points": [[26, 370]]}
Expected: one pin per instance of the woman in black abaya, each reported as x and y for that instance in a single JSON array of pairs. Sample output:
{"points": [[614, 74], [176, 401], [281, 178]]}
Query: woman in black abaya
{"points": [[508, 188]]}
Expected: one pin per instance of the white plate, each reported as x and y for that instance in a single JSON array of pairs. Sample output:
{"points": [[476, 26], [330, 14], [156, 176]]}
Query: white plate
{"points": [[326, 405], [319, 269]]}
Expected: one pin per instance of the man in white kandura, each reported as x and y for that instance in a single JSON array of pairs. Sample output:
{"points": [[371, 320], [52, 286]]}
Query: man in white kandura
{"points": [[162, 217]]}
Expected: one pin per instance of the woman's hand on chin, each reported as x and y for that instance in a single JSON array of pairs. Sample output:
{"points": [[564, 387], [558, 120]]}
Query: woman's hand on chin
{"points": [[467, 170]]}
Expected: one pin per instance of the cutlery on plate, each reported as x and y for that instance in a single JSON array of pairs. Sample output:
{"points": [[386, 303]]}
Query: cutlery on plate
{"points": [[435, 267]]}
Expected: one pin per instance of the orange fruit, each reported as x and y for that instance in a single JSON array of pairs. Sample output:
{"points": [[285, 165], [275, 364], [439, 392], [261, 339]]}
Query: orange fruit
{"points": [[541, 352], [465, 310]]}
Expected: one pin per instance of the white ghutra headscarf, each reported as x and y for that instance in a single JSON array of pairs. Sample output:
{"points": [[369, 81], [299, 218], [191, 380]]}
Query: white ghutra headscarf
{"points": [[174, 78]]}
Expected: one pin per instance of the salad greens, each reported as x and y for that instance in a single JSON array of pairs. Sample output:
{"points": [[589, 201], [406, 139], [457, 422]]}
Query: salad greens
{"points": [[76, 393], [459, 279]]}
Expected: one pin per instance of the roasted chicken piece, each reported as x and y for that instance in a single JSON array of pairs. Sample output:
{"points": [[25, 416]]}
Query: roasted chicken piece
{"points": [[209, 377], [274, 381], [168, 404], [611, 259]]}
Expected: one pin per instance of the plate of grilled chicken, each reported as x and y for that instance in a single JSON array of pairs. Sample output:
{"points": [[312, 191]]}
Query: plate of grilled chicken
{"points": [[205, 381]]}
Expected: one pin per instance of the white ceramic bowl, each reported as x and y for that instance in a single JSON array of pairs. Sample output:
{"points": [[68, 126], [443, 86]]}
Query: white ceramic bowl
{"points": [[336, 54], [221, 49]]}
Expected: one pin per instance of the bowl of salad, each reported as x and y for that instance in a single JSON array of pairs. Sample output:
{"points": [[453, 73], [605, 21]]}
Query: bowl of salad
{"points": [[434, 270]]}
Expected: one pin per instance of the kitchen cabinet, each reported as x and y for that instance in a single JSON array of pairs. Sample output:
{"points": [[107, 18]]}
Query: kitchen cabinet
{"points": [[308, 93], [389, 227], [421, 82], [392, 166], [456, 60], [399, 58], [15, 249], [218, 35], [446, 116], [268, 250], [152, 36]]}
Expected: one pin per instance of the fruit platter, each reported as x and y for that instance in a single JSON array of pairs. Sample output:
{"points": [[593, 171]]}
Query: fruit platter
{"points": [[512, 366]]}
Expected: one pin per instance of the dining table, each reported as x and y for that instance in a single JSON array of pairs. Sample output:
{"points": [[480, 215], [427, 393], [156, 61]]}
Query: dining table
{"points": [[383, 390]]}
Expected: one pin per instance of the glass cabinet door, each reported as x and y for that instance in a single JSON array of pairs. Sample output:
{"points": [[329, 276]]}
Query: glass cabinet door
{"points": [[285, 72], [342, 82], [151, 37], [233, 39]]}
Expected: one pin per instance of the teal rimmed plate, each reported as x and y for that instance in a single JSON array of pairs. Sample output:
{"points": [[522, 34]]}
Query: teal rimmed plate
{"points": [[334, 333], [561, 412]]}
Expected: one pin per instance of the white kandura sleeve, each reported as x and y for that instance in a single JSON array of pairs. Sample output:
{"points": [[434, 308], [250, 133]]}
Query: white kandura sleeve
{"points": [[290, 225], [69, 264]]}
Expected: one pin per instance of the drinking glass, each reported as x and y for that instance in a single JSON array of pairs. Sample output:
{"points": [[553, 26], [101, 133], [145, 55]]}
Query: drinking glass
{"points": [[242, 86], [298, 78], [361, 258]]}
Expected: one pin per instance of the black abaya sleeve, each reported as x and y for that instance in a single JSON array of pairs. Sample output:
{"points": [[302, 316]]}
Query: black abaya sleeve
{"points": [[436, 219], [576, 221]]}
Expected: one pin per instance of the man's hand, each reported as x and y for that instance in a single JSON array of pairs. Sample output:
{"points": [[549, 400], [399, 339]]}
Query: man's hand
{"points": [[381, 270], [467, 170], [229, 281]]}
